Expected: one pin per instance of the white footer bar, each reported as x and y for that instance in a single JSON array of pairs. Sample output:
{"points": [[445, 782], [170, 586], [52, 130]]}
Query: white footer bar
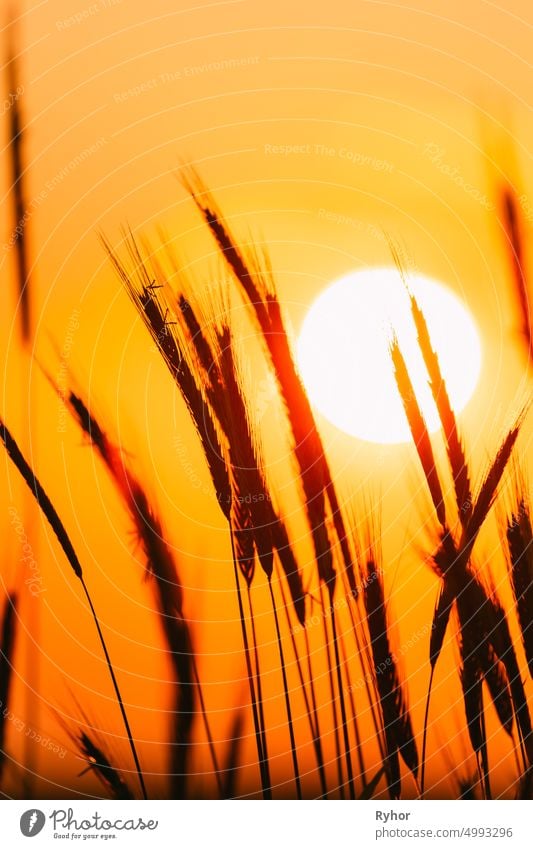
{"points": [[267, 825]]}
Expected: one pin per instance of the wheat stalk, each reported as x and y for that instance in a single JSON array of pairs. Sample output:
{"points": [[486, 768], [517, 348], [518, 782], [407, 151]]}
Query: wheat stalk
{"points": [[395, 713], [7, 646], [520, 560], [57, 526]]}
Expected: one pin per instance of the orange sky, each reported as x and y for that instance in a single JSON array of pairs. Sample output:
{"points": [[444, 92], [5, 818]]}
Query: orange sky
{"points": [[318, 130]]}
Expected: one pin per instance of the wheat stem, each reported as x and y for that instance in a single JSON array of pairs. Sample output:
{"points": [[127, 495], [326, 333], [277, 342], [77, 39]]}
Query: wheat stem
{"points": [[286, 695], [263, 762], [57, 526]]}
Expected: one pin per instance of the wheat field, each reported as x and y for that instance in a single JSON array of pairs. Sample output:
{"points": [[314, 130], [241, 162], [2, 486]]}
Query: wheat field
{"points": [[201, 595]]}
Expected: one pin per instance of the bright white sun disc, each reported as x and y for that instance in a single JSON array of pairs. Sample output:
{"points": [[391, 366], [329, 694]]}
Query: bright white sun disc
{"points": [[344, 357]]}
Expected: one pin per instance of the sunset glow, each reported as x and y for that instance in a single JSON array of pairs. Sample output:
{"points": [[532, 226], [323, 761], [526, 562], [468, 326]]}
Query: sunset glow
{"points": [[343, 352]]}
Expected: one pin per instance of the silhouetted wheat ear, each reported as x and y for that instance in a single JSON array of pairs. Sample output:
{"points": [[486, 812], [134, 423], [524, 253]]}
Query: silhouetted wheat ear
{"points": [[244, 453], [20, 225], [8, 632], [227, 399], [250, 278], [57, 526], [395, 713], [476, 609], [147, 296], [243, 536], [199, 340], [520, 559], [163, 571], [451, 562], [159, 560], [454, 446], [419, 431], [488, 489], [479, 613], [254, 275], [458, 580], [90, 426], [485, 634], [513, 226], [41, 497], [100, 764], [159, 319], [497, 627]]}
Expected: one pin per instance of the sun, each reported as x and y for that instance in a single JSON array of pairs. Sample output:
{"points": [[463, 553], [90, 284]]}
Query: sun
{"points": [[343, 352]]}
